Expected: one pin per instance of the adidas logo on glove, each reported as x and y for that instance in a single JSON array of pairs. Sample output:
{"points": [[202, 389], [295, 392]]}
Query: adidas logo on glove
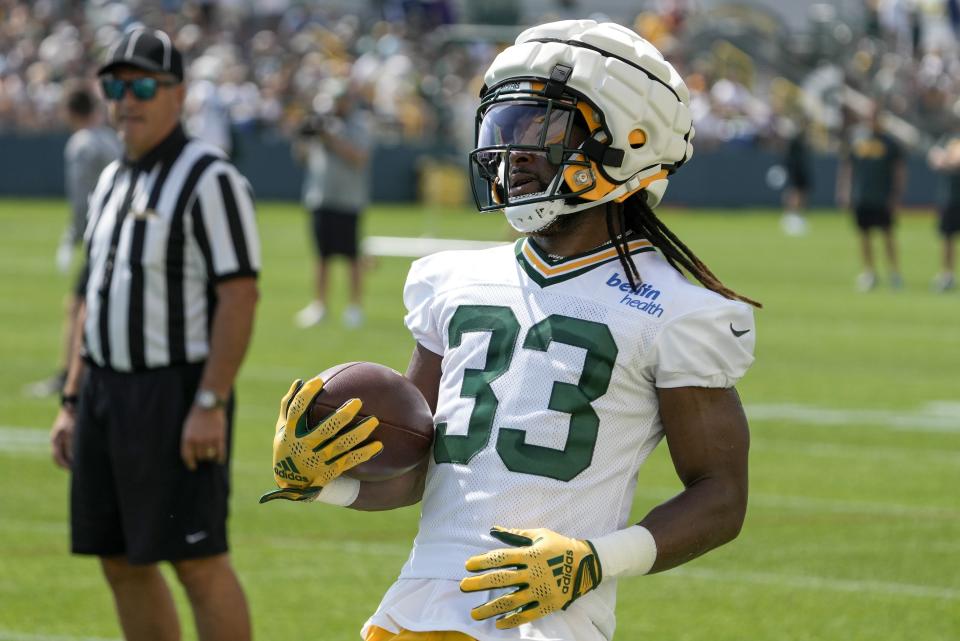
{"points": [[285, 469], [563, 570]]}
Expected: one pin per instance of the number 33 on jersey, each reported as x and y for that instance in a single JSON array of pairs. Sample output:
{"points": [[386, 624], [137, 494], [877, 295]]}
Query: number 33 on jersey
{"points": [[547, 404]]}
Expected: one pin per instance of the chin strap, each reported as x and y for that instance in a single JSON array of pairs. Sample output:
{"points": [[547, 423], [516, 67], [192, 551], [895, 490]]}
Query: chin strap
{"points": [[532, 217]]}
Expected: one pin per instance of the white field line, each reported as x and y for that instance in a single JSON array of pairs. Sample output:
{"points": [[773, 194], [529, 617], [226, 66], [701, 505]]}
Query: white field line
{"points": [[854, 451], [10, 635], [24, 440], [937, 416], [417, 247], [795, 581], [818, 505], [757, 500], [34, 442], [872, 508], [806, 582], [398, 551]]}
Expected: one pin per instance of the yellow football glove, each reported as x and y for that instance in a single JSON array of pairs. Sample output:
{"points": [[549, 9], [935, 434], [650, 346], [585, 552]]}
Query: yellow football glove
{"points": [[549, 570], [306, 458]]}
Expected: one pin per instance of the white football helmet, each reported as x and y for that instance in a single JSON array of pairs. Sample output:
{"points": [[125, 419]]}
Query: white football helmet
{"points": [[576, 114]]}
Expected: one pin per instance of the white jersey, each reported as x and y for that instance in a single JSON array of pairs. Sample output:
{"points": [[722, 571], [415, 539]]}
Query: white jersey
{"points": [[547, 409]]}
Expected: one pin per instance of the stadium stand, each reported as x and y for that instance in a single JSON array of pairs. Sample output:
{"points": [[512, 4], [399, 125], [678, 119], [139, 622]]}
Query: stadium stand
{"points": [[753, 67]]}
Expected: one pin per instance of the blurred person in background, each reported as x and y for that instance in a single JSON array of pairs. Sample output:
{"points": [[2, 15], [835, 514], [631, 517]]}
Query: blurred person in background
{"points": [[944, 158], [797, 164], [91, 147], [145, 424], [334, 144], [206, 117], [871, 179]]}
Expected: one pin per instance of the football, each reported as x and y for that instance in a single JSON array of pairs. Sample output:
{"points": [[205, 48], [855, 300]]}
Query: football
{"points": [[406, 422]]}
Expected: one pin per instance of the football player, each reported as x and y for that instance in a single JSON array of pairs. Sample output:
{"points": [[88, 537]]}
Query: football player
{"points": [[556, 365]]}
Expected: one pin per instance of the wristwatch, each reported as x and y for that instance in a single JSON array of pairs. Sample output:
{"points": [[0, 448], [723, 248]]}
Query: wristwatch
{"points": [[207, 399]]}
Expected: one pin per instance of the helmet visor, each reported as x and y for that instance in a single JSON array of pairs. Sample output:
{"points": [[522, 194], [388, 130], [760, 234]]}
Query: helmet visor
{"points": [[523, 124], [522, 146]]}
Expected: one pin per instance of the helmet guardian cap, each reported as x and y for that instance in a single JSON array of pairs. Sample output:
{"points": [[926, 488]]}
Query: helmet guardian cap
{"points": [[573, 115]]}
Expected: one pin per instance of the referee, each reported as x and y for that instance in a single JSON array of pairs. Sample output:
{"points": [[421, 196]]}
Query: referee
{"points": [[145, 424]]}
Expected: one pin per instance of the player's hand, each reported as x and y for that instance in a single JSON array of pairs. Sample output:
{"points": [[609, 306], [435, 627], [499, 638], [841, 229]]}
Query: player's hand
{"points": [[61, 438], [549, 570], [307, 457], [204, 437]]}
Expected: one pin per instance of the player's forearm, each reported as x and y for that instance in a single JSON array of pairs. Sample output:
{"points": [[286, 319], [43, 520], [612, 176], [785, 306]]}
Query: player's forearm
{"points": [[75, 365], [345, 149], [230, 334], [78, 208], [843, 182], [402, 491], [707, 514], [899, 184]]}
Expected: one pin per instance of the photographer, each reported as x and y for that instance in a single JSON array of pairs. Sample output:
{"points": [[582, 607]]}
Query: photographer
{"points": [[335, 148]]}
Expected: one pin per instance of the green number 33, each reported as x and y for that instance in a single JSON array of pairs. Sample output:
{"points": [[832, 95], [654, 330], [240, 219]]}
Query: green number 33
{"points": [[502, 325]]}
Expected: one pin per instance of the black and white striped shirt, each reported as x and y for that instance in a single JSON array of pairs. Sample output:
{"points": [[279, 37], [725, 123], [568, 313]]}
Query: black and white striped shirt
{"points": [[161, 233]]}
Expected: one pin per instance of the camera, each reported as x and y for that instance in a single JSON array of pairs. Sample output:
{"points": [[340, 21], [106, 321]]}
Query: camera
{"points": [[313, 125]]}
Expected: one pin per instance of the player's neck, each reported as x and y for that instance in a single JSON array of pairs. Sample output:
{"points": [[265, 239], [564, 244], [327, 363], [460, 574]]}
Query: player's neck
{"points": [[579, 234]]}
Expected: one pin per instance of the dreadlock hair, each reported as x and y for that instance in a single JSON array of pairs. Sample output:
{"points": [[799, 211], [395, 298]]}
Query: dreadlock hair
{"points": [[636, 215]]}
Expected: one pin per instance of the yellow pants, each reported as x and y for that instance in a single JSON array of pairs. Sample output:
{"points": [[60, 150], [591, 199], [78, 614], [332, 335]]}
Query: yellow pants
{"points": [[379, 634]]}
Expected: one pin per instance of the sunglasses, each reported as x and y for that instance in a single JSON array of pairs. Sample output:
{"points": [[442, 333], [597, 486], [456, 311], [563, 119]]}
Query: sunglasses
{"points": [[142, 88]]}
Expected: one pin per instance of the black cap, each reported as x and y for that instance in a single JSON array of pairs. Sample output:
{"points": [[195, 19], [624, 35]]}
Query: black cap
{"points": [[145, 49]]}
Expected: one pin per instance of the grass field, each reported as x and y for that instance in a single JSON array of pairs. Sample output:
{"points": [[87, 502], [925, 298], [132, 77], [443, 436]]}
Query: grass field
{"points": [[853, 531]]}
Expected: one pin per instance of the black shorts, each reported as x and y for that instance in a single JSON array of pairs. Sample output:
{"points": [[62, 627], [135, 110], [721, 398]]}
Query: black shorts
{"points": [[798, 180], [949, 221], [130, 493], [335, 231], [870, 216]]}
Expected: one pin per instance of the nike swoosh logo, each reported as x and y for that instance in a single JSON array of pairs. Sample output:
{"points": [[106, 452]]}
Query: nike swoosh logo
{"points": [[196, 537], [738, 332]]}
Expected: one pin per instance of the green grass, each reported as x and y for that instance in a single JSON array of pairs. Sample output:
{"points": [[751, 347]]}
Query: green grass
{"points": [[853, 530]]}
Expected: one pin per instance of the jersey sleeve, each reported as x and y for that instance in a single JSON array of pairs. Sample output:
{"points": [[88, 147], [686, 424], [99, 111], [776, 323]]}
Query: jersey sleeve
{"points": [[711, 347], [418, 297], [224, 223]]}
